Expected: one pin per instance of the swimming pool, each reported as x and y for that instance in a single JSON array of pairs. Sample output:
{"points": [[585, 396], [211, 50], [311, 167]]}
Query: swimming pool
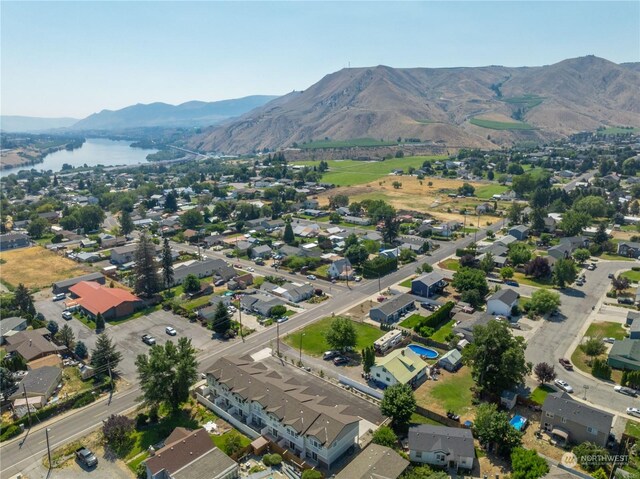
{"points": [[423, 351], [518, 422]]}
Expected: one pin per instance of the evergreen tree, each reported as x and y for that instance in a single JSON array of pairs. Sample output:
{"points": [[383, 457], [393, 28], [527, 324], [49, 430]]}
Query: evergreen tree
{"points": [[167, 264], [221, 320], [126, 223], [81, 350], [24, 301], [146, 270], [99, 322], [171, 202], [105, 356], [368, 359], [288, 236], [52, 326], [66, 337]]}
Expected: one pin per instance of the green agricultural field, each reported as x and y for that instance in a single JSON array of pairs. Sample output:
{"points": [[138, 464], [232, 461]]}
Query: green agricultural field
{"points": [[501, 125], [529, 101], [313, 337], [616, 130], [486, 192], [351, 172], [321, 144]]}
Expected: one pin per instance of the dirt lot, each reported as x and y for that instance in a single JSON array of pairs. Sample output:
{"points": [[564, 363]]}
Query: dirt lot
{"points": [[37, 267], [417, 195]]}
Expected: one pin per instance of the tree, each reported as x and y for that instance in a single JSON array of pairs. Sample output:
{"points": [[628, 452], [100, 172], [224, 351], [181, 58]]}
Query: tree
{"points": [[66, 337], [390, 229], [221, 320], [52, 326], [515, 213], [368, 359], [519, 253], [544, 372], [7, 381], [593, 347], [527, 464], [537, 218], [538, 268], [167, 264], [117, 430], [601, 235], [564, 272], [398, 403], [407, 256], [37, 228], [587, 450], [81, 350], [191, 219], [492, 427], [496, 358], [581, 255], [473, 297], [126, 223], [506, 272], [384, 436], [100, 322], [338, 201], [357, 254], [278, 311], [594, 206], [544, 301], [335, 218], [486, 264], [466, 190], [396, 185], [574, 222], [146, 270], [171, 202], [24, 301], [341, 334], [288, 236], [232, 443], [191, 284], [468, 261], [167, 373], [468, 278], [312, 474], [620, 283], [105, 356]]}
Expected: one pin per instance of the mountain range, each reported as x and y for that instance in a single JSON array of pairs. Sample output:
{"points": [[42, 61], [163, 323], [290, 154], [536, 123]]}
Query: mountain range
{"points": [[473, 107]]}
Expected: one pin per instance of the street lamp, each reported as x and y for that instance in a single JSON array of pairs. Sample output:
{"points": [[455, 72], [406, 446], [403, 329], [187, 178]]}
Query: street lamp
{"points": [[46, 432], [300, 360]]}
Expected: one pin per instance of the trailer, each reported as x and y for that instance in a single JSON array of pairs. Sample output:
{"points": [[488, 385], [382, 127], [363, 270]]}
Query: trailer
{"points": [[388, 341]]}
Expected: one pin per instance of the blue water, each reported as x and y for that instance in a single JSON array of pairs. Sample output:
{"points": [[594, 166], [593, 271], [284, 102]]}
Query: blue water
{"points": [[423, 351], [518, 422]]}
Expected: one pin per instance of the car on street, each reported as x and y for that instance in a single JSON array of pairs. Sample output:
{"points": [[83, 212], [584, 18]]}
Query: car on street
{"points": [[250, 269], [86, 457], [565, 363], [591, 267], [148, 339], [170, 331], [610, 276], [282, 319], [340, 360], [609, 340], [330, 355], [237, 265], [312, 277], [67, 315], [59, 297], [563, 385], [624, 390], [579, 282], [633, 411]]}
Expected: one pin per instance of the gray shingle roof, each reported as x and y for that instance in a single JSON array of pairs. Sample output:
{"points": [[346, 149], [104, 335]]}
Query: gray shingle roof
{"points": [[452, 440], [39, 381], [65, 283], [374, 462], [561, 404], [506, 295], [430, 278], [393, 305]]}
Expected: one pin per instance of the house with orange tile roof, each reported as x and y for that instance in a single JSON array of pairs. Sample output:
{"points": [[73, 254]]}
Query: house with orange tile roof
{"points": [[112, 303]]}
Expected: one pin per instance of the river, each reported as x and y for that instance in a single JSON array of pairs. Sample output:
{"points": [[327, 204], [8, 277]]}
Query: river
{"points": [[94, 151]]}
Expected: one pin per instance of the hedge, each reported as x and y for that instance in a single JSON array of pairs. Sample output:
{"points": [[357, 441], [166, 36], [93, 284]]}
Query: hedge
{"points": [[9, 432], [435, 320], [379, 266]]}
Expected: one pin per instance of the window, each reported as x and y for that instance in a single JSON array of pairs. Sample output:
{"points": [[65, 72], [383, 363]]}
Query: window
{"points": [[564, 420], [440, 457], [377, 375], [549, 414], [592, 430], [292, 445], [388, 379], [418, 454]]}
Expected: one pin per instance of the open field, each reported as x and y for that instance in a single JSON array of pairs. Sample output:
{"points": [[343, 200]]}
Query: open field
{"points": [[452, 392], [487, 191], [500, 125], [528, 101], [313, 145], [351, 172], [417, 195], [313, 337], [616, 130], [37, 267]]}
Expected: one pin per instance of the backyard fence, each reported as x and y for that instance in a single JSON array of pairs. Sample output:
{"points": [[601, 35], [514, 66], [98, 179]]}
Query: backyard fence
{"points": [[360, 387]]}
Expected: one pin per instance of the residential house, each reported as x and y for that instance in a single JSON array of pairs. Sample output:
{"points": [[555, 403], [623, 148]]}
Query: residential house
{"points": [[632, 316], [208, 313], [50, 216], [576, 242], [111, 303], [451, 360], [574, 422], [31, 344], [401, 366], [123, 254], [634, 330], [550, 224], [414, 243], [560, 251], [14, 240], [520, 232], [375, 462], [428, 284], [188, 454], [625, 354], [10, 326], [304, 418], [629, 249], [341, 269], [261, 304], [506, 240], [307, 231], [501, 302], [261, 251], [357, 220], [110, 241], [242, 247], [39, 384], [441, 446], [83, 257], [391, 310], [310, 203], [202, 269], [297, 292], [467, 323], [484, 208], [213, 240]]}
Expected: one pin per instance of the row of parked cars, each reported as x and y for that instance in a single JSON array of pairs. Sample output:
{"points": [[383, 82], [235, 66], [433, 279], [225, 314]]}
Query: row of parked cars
{"points": [[337, 358]]}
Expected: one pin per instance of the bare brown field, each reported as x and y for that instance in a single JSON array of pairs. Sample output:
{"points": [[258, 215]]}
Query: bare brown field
{"points": [[417, 195], [37, 267], [12, 158]]}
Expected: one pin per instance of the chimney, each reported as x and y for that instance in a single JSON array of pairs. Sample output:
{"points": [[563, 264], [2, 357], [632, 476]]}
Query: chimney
{"points": [[30, 342]]}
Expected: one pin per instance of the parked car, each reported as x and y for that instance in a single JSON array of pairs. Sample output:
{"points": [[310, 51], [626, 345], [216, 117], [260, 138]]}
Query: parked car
{"points": [[282, 319], [624, 390], [66, 315], [579, 282], [380, 299], [591, 267], [633, 411], [312, 277], [511, 282], [563, 385], [609, 340], [220, 282], [610, 276], [250, 269], [86, 457], [170, 331], [340, 360], [59, 297], [330, 355], [237, 265], [148, 339], [566, 364], [625, 301], [357, 279], [259, 261]]}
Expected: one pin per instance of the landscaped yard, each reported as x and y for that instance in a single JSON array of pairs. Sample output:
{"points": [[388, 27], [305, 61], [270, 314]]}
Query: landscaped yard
{"points": [[441, 334], [606, 329], [314, 343], [631, 275], [220, 440], [407, 282], [579, 360], [633, 429], [451, 392], [540, 393], [420, 419], [451, 264], [538, 283], [411, 321]]}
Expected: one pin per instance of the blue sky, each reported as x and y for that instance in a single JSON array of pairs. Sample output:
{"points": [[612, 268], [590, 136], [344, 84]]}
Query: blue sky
{"points": [[73, 59]]}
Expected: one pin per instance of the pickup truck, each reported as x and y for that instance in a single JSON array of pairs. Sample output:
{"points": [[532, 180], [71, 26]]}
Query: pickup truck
{"points": [[86, 457]]}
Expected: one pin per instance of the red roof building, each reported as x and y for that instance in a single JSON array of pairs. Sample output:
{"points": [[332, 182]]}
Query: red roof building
{"points": [[112, 303]]}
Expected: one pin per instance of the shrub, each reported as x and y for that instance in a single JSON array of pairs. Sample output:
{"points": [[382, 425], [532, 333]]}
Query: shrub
{"points": [[272, 459], [141, 471], [435, 320], [9, 432], [85, 398], [153, 415], [141, 420], [312, 474]]}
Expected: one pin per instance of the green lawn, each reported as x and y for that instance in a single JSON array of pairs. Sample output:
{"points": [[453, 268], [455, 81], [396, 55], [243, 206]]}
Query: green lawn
{"points": [[314, 343], [450, 264], [453, 392], [411, 321], [420, 419], [631, 275], [196, 303], [486, 192], [614, 257], [407, 282], [321, 144], [441, 334], [618, 131], [501, 125], [606, 329], [351, 172], [540, 393], [220, 440], [538, 283], [633, 429], [133, 464]]}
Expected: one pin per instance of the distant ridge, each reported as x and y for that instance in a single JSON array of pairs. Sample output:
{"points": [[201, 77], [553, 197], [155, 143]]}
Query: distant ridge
{"points": [[475, 107], [31, 124]]}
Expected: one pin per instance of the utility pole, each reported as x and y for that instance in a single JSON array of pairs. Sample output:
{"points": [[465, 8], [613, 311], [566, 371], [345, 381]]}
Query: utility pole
{"points": [[300, 360], [237, 297], [46, 432], [24, 390], [278, 338]]}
